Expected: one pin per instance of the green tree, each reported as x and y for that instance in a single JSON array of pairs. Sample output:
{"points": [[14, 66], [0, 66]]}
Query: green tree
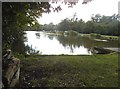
{"points": [[80, 26], [89, 27], [64, 25], [49, 27], [16, 17]]}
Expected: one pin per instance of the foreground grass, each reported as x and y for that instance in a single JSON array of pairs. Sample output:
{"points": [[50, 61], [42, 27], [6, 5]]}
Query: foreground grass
{"points": [[70, 71]]}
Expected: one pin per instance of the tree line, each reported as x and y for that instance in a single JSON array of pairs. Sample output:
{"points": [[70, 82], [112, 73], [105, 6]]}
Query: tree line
{"points": [[104, 25]]}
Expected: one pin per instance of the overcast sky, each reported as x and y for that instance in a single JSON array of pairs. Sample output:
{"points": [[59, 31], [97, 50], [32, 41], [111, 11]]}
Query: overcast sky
{"points": [[83, 11]]}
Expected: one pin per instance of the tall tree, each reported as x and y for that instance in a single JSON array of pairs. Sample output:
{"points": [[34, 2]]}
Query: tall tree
{"points": [[64, 25], [16, 17]]}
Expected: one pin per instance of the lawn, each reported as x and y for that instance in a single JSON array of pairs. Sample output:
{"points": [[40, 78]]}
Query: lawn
{"points": [[105, 37], [70, 71]]}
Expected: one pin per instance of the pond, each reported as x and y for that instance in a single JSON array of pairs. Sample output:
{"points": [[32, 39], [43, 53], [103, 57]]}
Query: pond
{"points": [[54, 44]]}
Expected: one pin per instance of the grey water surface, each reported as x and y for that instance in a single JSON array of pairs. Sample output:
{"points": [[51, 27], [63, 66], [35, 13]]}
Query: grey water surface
{"points": [[55, 44]]}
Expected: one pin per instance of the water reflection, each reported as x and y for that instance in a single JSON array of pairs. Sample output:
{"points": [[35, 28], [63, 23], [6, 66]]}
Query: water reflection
{"points": [[71, 42], [52, 44], [50, 37], [37, 35]]}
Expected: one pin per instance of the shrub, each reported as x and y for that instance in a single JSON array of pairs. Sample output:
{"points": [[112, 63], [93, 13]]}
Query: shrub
{"points": [[92, 35], [98, 36], [72, 33], [110, 38]]}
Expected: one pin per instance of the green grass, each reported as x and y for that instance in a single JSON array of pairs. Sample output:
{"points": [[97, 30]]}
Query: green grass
{"points": [[103, 37], [70, 71]]}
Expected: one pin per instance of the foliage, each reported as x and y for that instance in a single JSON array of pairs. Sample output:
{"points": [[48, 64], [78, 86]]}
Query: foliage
{"points": [[92, 35], [104, 25], [16, 18], [97, 36], [64, 25], [71, 33], [48, 27]]}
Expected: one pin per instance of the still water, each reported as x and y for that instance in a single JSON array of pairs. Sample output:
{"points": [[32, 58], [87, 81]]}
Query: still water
{"points": [[55, 44]]}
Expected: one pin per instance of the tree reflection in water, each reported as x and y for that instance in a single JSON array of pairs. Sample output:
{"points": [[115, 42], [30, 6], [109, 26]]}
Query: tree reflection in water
{"points": [[72, 42], [78, 41], [53, 44], [37, 35]]}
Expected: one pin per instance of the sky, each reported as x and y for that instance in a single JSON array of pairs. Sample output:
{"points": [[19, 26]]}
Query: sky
{"points": [[83, 11]]}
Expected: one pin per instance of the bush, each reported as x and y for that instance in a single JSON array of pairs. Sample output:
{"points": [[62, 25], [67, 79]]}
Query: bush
{"points": [[92, 35], [110, 38], [72, 33], [18, 55], [98, 36], [61, 32]]}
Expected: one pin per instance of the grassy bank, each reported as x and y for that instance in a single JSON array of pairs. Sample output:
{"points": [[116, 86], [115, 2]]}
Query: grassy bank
{"points": [[93, 35], [70, 71], [103, 37]]}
